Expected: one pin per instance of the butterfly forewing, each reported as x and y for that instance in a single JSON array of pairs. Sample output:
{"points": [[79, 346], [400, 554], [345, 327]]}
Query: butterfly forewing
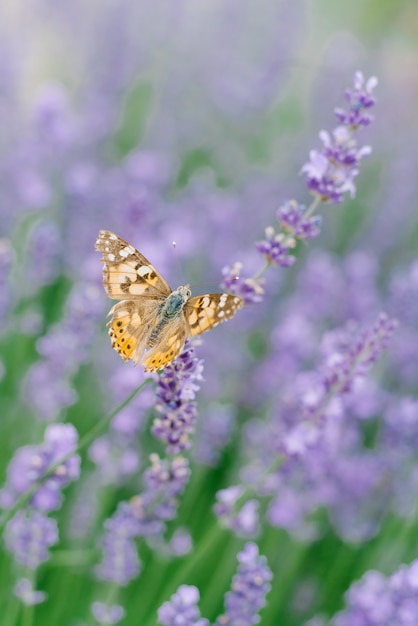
{"points": [[151, 322], [205, 312], [127, 274]]}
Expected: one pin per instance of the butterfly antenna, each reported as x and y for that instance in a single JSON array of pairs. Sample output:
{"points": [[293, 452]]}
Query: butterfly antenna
{"points": [[179, 267]]}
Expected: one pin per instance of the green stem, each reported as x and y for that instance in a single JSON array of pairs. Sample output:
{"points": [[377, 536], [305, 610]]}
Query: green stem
{"points": [[312, 208], [83, 443], [100, 426], [261, 272], [28, 609]]}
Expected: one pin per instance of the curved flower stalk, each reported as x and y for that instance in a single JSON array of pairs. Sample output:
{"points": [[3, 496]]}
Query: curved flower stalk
{"points": [[300, 436], [330, 175], [30, 532]]}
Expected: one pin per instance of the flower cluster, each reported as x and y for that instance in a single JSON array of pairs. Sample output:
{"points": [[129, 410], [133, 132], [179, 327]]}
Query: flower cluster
{"points": [[243, 603], [48, 387], [249, 289], [285, 453], [249, 588], [331, 172], [6, 258], [243, 519], [39, 472], [378, 601], [182, 608], [349, 358], [48, 468], [295, 225], [143, 516], [177, 385]]}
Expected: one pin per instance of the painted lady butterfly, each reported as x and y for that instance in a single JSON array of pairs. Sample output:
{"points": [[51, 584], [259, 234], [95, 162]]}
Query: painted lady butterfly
{"points": [[152, 322]]}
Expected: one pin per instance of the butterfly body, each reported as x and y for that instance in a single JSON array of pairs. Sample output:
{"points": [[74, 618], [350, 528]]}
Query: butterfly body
{"points": [[150, 323], [171, 309]]}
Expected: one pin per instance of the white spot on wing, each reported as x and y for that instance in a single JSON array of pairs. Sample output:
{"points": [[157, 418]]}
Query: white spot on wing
{"points": [[144, 270]]}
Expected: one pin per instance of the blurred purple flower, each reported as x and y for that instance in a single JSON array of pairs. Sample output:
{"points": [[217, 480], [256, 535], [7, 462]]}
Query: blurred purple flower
{"points": [[360, 99], [215, 431], [144, 516], [47, 385], [30, 464], [27, 594], [6, 260], [242, 519], [249, 289], [331, 172], [292, 219], [29, 535], [249, 588], [177, 385], [182, 609], [348, 357], [115, 457], [378, 601], [43, 252], [276, 248], [108, 615]]}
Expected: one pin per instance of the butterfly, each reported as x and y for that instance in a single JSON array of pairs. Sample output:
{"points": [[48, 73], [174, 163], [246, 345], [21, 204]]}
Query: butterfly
{"points": [[151, 322]]}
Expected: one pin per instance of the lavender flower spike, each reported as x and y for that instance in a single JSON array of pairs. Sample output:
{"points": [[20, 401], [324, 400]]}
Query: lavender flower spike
{"points": [[27, 594], [182, 609], [30, 464], [108, 615], [176, 389], [379, 601], [331, 172], [29, 535], [249, 289], [250, 586]]}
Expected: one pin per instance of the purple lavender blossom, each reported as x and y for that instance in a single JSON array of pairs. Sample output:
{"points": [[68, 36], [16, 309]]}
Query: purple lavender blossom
{"points": [[342, 367], [359, 99], [120, 563], [47, 386], [331, 172], [116, 457], [43, 249], [242, 519], [295, 225], [182, 609], [292, 219], [249, 588], [378, 601], [29, 535], [6, 259], [144, 516], [108, 615], [27, 594], [249, 289], [30, 464], [214, 433], [276, 247], [177, 385]]}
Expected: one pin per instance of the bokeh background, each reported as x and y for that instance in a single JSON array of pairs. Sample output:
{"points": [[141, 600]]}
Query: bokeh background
{"points": [[190, 121]]}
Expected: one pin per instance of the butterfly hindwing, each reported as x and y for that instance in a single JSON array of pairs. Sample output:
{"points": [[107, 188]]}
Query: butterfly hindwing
{"points": [[170, 344], [127, 274], [207, 311]]}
